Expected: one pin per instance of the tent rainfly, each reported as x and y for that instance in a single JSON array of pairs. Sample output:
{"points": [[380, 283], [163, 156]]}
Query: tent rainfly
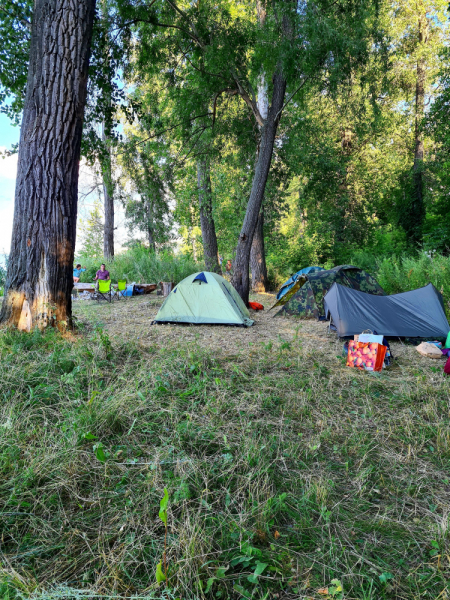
{"points": [[204, 298], [418, 313], [287, 285], [305, 298]]}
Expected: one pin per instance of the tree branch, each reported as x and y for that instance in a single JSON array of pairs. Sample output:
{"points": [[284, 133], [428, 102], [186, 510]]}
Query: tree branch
{"points": [[150, 137], [186, 18], [251, 104], [197, 68], [24, 21], [291, 96], [230, 91]]}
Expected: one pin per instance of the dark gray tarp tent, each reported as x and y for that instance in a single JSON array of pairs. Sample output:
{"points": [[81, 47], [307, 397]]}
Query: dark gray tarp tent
{"points": [[419, 313]]}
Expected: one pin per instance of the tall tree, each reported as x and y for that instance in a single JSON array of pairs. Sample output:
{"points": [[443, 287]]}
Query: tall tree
{"points": [[258, 256], [257, 252], [146, 186], [209, 238], [107, 139], [108, 194], [417, 35], [302, 31], [39, 278]]}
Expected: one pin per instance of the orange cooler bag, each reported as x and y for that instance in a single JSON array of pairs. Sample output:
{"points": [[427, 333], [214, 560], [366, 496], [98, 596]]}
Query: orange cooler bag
{"points": [[365, 355]]}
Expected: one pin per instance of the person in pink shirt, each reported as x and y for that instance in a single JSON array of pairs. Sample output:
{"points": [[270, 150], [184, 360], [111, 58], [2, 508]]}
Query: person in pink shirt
{"points": [[102, 273]]}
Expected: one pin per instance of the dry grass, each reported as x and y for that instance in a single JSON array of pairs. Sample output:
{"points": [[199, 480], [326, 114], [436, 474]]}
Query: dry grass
{"points": [[272, 450], [131, 321]]}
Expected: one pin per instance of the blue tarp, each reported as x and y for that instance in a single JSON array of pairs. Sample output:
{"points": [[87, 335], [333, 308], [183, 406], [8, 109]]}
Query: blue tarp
{"points": [[291, 281]]}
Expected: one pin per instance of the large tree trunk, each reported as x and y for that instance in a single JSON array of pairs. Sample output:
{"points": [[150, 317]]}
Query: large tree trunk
{"points": [[240, 279], [417, 203], [257, 253], [39, 279], [108, 199], [209, 238], [258, 257], [108, 185]]}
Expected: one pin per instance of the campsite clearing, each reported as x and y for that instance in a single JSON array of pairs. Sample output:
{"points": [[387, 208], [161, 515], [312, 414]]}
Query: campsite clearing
{"points": [[131, 322], [278, 459]]}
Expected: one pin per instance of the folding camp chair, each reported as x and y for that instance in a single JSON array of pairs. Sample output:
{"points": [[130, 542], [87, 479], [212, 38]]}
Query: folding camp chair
{"points": [[105, 291], [121, 289]]}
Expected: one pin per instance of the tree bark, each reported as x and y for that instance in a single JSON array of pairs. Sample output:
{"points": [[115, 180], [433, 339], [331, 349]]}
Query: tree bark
{"points": [[209, 238], [240, 279], [417, 204], [258, 257], [108, 199], [39, 278], [150, 228], [108, 185], [193, 244], [257, 253]]}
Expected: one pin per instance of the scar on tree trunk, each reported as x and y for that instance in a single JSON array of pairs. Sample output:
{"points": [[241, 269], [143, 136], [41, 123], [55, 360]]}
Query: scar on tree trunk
{"points": [[258, 257], [39, 278]]}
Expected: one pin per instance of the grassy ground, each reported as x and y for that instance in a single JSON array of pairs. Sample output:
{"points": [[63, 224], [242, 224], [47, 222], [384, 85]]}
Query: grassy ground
{"points": [[285, 469]]}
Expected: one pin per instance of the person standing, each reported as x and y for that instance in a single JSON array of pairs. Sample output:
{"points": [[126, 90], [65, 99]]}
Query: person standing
{"points": [[77, 273]]}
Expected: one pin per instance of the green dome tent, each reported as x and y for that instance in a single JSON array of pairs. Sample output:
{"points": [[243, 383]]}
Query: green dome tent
{"points": [[305, 298], [204, 298]]}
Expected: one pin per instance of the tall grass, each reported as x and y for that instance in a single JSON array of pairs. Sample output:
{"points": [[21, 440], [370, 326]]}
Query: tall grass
{"points": [[140, 265], [285, 470], [403, 273], [409, 272]]}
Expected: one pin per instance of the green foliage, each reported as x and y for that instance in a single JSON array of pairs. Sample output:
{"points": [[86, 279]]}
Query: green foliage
{"points": [[91, 231], [160, 577], [15, 24], [3, 270], [336, 590], [163, 507], [409, 272], [142, 266]]}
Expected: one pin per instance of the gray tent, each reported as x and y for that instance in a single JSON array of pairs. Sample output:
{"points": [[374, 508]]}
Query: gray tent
{"points": [[419, 313]]}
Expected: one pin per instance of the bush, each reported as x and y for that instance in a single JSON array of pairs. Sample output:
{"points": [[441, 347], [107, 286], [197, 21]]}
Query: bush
{"points": [[3, 268], [408, 272], [139, 265]]}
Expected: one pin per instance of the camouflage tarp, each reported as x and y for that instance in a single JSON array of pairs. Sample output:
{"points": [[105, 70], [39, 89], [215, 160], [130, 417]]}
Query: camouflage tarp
{"points": [[305, 299]]}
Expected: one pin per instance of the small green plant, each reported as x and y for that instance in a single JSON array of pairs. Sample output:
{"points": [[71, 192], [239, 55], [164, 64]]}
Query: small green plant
{"points": [[161, 567], [384, 577], [434, 548], [99, 452], [336, 590], [105, 342]]}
